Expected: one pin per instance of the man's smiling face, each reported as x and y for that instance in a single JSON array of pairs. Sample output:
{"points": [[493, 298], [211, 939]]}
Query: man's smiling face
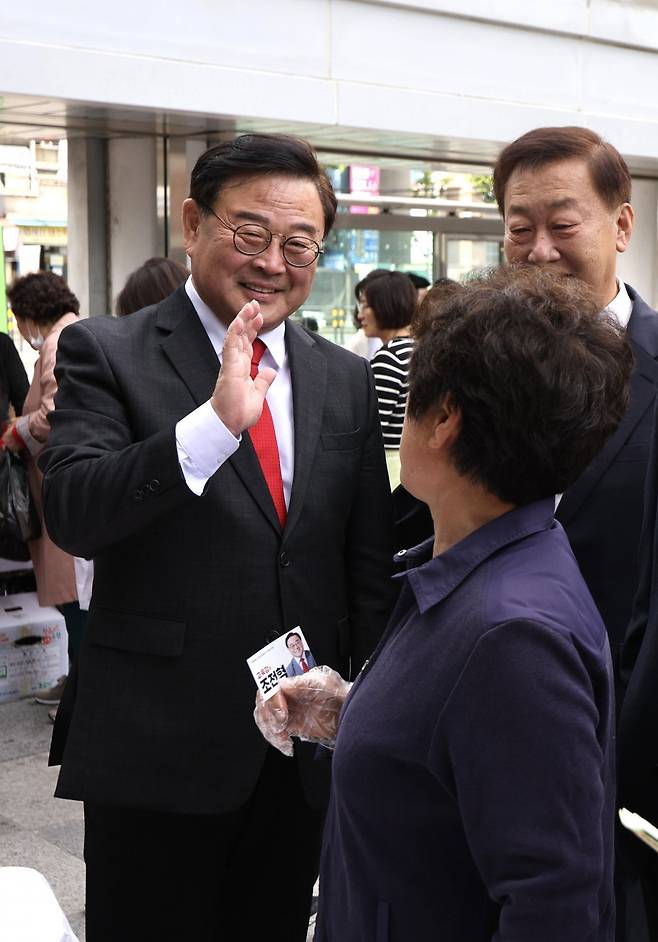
{"points": [[555, 217], [295, 646], [226, 279]]}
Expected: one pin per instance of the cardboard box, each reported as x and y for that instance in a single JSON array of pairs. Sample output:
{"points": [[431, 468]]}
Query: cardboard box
{"points": [[33, 646]]}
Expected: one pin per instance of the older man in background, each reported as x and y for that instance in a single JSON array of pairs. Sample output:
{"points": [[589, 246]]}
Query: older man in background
{"points": [[565, 196]]}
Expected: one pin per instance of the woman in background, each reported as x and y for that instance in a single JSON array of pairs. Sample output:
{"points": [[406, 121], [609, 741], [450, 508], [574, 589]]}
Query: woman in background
{"points": [[44, 306], [358, 343], [153, 281], [390, 302]]}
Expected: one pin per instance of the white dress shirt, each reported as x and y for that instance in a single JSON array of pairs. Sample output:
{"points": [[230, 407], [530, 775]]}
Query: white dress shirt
{"points": [[621, 305], [203, 442]]}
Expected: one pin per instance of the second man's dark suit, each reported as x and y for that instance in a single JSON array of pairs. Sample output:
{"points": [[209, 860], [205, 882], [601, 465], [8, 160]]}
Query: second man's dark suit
{"points": [[602, 511]]}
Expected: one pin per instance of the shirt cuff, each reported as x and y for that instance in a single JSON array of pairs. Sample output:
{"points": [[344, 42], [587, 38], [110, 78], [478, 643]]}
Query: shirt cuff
{"points": [[31, 443], [203, 444]]}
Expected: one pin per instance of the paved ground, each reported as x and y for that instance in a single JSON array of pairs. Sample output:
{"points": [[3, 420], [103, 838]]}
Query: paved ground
{"points": [[37, 830]]}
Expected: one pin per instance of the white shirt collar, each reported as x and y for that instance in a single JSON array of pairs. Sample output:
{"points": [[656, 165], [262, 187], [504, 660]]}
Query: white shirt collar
{"points": [[621, 305], [273, 339]]}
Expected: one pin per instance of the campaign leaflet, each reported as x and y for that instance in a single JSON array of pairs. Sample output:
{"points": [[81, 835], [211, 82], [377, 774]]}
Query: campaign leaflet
{"points": [[287, 656]]}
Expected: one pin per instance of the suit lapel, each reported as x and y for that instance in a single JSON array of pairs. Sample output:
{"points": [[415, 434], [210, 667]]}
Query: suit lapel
{"points": [[190, 352], [643, 325], [308, 371], [643, 334], [643, 392], [186, 345]]}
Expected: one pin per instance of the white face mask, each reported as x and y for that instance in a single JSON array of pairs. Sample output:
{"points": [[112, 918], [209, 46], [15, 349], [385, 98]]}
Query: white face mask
{"points": [[35, 342]]}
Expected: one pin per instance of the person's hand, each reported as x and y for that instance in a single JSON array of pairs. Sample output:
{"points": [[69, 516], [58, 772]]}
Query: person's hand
{"points": [[238, 399], [307, 707], [9, 439]]}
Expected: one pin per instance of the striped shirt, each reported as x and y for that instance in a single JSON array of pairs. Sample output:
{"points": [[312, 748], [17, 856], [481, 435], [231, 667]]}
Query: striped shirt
{"points": [[391, 368]]}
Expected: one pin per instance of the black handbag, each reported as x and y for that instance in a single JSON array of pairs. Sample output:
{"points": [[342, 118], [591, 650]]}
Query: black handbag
{"points": [[19, 521]]}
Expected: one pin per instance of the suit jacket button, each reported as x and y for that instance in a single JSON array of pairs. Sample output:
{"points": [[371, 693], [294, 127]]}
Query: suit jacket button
{"points": [[284, 560], [138, 494], [154, 485], [271, 636]]}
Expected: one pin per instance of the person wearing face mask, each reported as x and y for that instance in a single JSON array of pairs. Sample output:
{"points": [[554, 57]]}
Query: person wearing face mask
{"points": [[43, 306]]}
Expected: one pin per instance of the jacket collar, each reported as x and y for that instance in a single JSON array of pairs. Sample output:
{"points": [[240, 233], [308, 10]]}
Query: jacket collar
{"points": [[186, 345], [643, 325], [433, 579]]}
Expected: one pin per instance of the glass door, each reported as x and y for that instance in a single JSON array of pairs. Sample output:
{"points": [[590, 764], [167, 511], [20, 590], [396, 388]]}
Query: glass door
{"points": [[430, 246], [463, 256], [348, 257]]}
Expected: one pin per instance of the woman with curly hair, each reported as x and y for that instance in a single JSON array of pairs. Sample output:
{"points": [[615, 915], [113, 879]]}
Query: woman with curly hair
{"points": [[43, 306], [473, 778]]}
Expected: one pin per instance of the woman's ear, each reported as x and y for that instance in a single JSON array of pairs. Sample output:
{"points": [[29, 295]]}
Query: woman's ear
{"points": [[446, 425]]}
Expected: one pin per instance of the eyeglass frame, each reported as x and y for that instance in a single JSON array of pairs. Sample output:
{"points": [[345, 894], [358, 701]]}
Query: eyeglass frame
{"points": [[284, 239]]}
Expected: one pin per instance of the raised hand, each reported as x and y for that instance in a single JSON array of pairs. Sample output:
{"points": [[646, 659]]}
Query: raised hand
{"points": [[237, 399]]}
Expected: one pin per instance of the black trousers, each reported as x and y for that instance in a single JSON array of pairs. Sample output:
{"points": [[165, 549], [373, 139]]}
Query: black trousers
{"points": [[236, 877]]}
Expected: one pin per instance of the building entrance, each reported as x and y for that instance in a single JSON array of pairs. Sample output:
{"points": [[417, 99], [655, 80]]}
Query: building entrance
{"points": [[440, 246]]}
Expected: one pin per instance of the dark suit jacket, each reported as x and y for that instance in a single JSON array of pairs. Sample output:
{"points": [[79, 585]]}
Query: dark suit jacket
{"points": [[187, 587], [602, 511], [637, 739]]}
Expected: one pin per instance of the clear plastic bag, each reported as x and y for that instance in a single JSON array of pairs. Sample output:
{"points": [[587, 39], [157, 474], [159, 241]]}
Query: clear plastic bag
{"points": [[306, 707]]}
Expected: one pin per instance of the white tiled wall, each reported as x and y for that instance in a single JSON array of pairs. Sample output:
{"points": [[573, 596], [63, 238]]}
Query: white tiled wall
{"points": [[479, 70]]}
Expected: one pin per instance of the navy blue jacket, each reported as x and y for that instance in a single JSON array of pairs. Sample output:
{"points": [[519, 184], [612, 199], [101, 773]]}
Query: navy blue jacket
{"points": [[473, 778]]}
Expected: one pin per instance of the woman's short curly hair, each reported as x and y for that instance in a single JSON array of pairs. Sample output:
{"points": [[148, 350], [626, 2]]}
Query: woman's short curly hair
{"points": [[42, 296], [539, 374]]}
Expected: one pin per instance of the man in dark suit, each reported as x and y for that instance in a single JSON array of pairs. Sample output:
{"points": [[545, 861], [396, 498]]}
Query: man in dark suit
{"points": [[565, 197], [216, 523], [564, 194]]}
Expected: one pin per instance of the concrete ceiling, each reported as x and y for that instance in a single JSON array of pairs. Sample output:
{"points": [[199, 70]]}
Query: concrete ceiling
{"points": [[23, 118]]}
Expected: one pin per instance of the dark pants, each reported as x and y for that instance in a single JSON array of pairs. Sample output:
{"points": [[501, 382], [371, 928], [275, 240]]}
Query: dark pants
{"points": [[236, 877]]}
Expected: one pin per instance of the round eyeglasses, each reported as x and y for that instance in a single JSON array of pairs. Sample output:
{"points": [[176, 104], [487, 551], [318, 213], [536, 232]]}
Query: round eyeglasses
{"points": [[253, 239]]}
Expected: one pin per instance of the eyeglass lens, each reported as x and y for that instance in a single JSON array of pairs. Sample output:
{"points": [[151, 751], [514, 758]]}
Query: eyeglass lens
{"points": [[297, 251]]}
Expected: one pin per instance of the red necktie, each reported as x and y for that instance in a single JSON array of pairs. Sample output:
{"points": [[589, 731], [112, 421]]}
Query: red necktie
{"points": [[302, 661], [263, 439]]}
